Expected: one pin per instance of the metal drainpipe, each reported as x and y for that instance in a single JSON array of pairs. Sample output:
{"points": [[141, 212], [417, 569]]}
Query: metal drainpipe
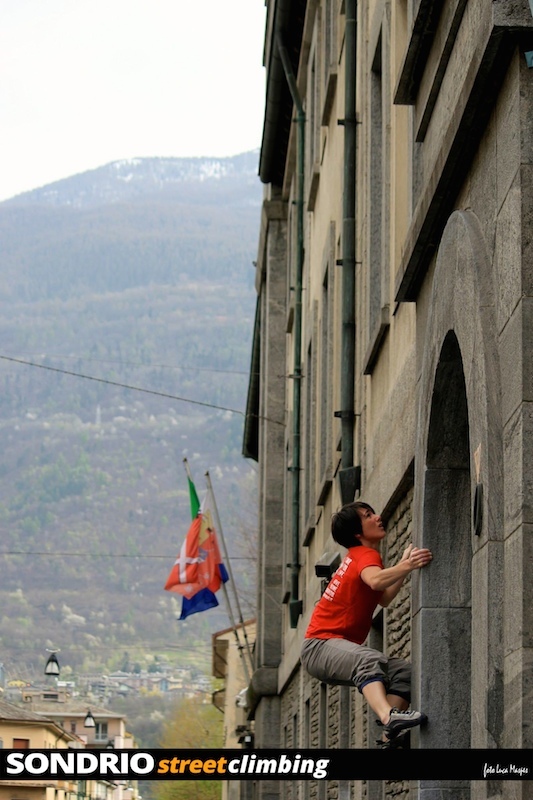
{"points": [[295, 604], [349, 475]]}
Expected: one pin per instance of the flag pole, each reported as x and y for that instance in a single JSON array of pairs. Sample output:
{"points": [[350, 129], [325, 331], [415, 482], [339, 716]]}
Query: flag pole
{"points": [[229, 609], [240, 647], [219, 528], [192, 488]]}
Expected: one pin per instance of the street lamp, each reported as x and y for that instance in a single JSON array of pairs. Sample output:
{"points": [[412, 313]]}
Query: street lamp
{"points": [[89, 720], [52, 665]]}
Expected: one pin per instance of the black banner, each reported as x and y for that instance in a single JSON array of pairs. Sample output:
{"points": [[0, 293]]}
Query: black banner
{"points": [[320, 765]]}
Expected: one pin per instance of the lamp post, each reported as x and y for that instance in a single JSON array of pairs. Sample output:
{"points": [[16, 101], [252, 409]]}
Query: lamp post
{"points": [[89, 720], [52, 665]]}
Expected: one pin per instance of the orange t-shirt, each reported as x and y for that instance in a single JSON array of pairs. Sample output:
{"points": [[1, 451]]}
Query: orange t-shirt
{"points": [[345, 609]]}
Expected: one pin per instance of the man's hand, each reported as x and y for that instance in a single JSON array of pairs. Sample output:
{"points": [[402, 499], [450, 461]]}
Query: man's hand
{"points": [[417, 557], [406, 553], [389, 580]]}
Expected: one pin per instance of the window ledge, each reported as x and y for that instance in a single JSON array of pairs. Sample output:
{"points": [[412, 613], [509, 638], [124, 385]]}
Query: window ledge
{"points": [[376, 341], [313, 186], [329, 95], [325, 488]]}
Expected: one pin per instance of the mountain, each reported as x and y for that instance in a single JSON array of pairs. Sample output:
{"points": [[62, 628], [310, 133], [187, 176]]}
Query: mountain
{"points": [[128, 297], [232, 181]]}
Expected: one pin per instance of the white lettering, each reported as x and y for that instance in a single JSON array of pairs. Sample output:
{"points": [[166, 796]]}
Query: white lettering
{"points": [[64, 761], [79, 763], [86, 763], [15, 763], [108, 761], [135, 763], [37, 763]]}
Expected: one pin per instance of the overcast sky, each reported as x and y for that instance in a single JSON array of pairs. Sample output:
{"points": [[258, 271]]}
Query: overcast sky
{"points": [[87, 82]]}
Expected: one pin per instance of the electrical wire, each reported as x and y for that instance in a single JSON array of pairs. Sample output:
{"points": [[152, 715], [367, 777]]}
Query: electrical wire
{"points": [[137, 389], [100, 555], [122, 385], [137, 364]]}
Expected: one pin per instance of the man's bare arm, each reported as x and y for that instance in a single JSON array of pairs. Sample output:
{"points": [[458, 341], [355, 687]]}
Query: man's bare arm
{"points": [[390, 580]]}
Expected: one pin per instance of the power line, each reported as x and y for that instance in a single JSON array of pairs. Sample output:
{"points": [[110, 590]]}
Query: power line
{"points": [[100, 555], [137, 364], [139, 389], [122, 385]]}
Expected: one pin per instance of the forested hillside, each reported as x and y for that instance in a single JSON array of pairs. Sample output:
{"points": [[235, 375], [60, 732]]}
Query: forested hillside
{"points": [[138, 276]]}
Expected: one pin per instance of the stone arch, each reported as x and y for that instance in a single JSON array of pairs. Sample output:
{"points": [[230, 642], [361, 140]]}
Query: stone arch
{"points": [[457, 601], [446, 589]]}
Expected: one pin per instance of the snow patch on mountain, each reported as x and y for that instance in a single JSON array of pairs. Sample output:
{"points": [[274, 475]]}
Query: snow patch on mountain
{"points": [[131, 178]]}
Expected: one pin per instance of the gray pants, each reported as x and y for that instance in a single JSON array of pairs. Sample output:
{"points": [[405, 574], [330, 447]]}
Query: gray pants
{"points": [[338, 661]]}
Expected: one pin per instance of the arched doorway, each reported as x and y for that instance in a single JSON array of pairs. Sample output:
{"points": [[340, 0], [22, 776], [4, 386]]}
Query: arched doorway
{"points": [[445, 623], [457, 602]]}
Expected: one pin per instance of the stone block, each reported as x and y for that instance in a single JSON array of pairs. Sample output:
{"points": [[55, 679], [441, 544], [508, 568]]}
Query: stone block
{"points": [[268, 723], [513, 490], [511, 13], [518, 698], [526, 233], [519, 589], [441, 640], [481, 193], [446, 582], [526, 111], [487, 645], [508, 131], [518, 469], [508, 255], [457, 790], [527, 348], [511, 359]]}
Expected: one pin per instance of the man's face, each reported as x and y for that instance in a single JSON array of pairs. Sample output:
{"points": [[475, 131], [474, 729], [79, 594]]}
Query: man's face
{"points": [[373, 529]]}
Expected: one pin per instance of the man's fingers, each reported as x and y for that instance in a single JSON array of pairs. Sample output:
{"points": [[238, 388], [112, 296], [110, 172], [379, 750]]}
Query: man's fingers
{"points": [[420, 556]]}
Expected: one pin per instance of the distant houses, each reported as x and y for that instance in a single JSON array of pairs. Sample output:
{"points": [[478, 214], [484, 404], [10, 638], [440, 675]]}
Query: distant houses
{"points": [[179, 683], [58, 725]]}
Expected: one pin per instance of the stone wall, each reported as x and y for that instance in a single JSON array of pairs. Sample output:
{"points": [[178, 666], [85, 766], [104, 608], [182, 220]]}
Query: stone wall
{"points": [[397, 632]]}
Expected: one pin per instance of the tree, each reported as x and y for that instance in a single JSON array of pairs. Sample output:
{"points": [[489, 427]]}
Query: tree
{"points": [[193, 726]]}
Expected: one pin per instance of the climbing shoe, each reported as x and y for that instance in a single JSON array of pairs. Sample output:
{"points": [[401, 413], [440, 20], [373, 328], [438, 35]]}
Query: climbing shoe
{"points": [[401, 742], [401, 721]]}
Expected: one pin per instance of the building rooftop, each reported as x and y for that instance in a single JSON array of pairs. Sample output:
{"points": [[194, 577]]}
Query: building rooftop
{"points": [[19, 713]]}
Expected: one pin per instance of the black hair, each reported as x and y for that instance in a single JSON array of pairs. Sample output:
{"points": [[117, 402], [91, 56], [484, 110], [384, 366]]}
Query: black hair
{"points": [[346, 524]]}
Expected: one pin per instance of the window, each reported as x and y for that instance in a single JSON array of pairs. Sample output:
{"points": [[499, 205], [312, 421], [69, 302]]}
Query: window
{"points": [[330, 30], [330, 58], [313, 116], [325, 401], [295, 732], [307, 724], [325, 377], [308, 432], [375, 260], [21, 744], [378, 269], [100, 732]]}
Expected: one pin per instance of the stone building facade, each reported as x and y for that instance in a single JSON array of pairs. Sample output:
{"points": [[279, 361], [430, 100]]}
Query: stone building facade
{"points": [[393, 361]]}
